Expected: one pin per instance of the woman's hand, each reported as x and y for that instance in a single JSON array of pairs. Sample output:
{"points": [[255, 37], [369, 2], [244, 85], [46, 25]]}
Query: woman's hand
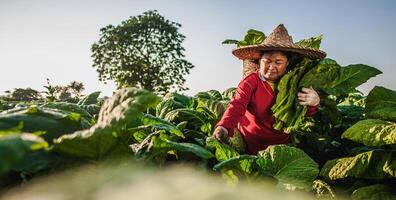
{"points": [[308, 97], [221, 134]]}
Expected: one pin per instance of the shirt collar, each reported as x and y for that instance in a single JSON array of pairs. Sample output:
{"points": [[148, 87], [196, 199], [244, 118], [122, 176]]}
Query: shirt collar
{"points": [[272, 84]]}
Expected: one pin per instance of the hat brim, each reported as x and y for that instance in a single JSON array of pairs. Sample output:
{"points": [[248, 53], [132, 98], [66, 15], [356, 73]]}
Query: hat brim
{"points": [[253, 52]]}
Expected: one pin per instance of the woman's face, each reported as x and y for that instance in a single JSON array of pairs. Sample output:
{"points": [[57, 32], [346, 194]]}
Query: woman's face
{"points": [[273, 65]]}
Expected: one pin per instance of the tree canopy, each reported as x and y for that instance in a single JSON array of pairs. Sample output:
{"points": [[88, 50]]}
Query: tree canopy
{"points": [[23, 94], [144, 51]]}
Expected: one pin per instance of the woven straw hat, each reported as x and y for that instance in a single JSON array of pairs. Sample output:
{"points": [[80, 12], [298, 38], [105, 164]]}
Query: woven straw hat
{"points": [[279, 40]]}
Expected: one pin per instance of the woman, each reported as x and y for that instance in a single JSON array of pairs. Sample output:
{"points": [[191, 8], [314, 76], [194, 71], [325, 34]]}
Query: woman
{"points": [[249, 112]]}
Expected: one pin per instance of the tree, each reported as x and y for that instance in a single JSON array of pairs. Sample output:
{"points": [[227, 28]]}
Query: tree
{"points": [[69, 93], [144, 51], [76, 88], [22, 94]]}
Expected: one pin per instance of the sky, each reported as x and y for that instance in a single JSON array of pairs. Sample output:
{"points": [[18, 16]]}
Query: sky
{"points": [[42, 39]]}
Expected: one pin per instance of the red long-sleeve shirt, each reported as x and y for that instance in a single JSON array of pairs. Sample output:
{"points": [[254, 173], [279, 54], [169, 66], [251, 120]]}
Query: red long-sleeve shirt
{"points": [[250, 111]]}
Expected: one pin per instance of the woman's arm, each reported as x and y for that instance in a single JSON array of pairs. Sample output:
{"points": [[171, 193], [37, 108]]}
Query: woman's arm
{"points": [[237, 106]]}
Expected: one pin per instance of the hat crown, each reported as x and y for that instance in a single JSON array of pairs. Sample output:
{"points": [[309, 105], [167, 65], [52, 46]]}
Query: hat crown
{"points": [[278, 40], [279, 35]]}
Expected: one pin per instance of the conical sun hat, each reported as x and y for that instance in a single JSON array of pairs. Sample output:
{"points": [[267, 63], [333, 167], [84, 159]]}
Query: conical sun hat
{"points": [[279, 40]]}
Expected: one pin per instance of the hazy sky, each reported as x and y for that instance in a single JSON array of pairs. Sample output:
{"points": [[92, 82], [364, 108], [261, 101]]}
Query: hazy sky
{"points": [[52, 39]]}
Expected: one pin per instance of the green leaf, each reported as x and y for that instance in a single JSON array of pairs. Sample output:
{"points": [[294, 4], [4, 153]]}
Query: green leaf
{"points": [[125, 106], [375, 164], [182, 125], [53, 121], [186, 101], [222, 151], [69, 107], [242, 43], [381, 104], [373, 192], [90, 99], [139, 135], [229, 93], [289, 165], [92, 109], [313, 42], [196, 120], [173, 101], [144, 149], [211, 94], [351, 112], [242, 161], [86, 120], [332, 111], [15, 147], [166, 106], [336, 80], [217, 107], [323, 190], [356, 98], [254, 37], [156, 122], [12, 130], [321, 75], [181, 147], [372, 132], [349, 78], [193, 134], [229, 41], [229, 158], [237, 142]]}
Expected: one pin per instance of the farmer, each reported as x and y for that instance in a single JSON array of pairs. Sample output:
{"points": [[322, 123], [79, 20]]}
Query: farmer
{"points": [[249, 112]]}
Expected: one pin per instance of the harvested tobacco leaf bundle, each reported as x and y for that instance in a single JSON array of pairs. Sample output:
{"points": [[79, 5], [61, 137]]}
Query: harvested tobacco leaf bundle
{"points": [[286, 109], [326, 77]]}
